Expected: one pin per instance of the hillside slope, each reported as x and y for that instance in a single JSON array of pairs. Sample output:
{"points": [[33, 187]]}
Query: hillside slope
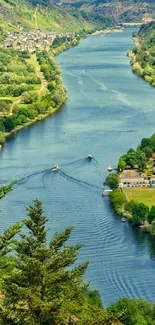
{"points": [[19, 14], [121, 10]]}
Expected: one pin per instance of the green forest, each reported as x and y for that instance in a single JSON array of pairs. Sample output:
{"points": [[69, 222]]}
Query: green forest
{"points": [[143, 53], [41, 282], [122, 11], [31, 87]]}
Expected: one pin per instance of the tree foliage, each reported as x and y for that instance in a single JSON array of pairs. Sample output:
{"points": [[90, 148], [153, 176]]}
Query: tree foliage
{"points": [[144, 53], [139, 213], [133, 312], [112, 180]]}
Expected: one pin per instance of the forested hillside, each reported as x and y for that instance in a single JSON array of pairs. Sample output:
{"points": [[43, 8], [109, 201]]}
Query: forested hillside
{"points": [[19, 14], [122, 11], [143, 53]]}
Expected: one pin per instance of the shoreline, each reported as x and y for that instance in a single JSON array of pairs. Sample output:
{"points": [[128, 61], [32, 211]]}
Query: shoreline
{"points": [[107, 31], [37, 119], [41, 117], [135, 65], [62, 48]]}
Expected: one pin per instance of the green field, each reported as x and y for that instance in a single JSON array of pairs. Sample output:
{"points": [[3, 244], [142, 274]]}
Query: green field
{"points": [[139, 194]]}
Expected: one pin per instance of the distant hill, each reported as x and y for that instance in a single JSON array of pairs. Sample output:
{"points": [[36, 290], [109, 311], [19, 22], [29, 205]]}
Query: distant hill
{"points": [[121, 11], [44, 14]]}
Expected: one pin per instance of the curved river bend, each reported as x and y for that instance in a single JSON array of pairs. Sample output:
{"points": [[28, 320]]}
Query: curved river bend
{"points": [[108, 111]]}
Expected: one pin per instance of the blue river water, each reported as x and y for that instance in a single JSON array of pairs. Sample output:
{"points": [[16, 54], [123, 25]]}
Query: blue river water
{"points": [[109, 109]]}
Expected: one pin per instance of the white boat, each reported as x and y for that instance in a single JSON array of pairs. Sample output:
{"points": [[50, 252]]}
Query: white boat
{"points": [[123, 219], [55, 168], [90, 157], [110, 169]]}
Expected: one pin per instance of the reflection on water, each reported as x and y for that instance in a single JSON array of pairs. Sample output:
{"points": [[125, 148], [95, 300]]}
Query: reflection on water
{"points": [[108, 111]]}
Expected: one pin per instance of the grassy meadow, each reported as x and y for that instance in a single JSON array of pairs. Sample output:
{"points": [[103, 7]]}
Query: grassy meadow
{"points": [[140, 194]]}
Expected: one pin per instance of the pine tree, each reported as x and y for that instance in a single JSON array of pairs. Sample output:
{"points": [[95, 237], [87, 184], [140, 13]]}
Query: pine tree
{"points": [[45, 287]]}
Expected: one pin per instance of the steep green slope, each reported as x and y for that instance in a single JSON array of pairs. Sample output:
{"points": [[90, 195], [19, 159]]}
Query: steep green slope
{"points": [[143, 54], [19, 14]]}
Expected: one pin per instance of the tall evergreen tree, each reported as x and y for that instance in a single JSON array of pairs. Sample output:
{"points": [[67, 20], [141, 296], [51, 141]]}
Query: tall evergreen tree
{"points": [[45, 287]]}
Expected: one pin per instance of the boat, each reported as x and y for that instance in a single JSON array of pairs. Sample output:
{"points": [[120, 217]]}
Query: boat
{"points": [[90, 157], [123, 219], [55, 168], [110, 169]]}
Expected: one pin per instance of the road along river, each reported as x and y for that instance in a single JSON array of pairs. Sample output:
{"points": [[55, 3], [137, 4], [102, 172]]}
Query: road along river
{"points": [[108, 111]]}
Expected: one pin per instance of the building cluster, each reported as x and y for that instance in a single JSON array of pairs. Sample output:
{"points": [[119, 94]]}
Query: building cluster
{"points": [[32, 40]]}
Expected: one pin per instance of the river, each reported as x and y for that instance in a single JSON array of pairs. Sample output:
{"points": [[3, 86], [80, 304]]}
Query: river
{"points": [[109, 109]]}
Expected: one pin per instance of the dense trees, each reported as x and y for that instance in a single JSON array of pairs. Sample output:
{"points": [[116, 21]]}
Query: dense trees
{"points": [[16, 74], [117, 199], [134, 312], [112, 180], [140, 157], [143, 55], [135, 159], [139, 213], [151, 214], [32, 101]]}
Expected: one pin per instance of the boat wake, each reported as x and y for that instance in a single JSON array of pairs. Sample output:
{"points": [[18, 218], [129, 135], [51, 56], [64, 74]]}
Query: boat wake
{"points": [[48, 174], [25, 178], [81, 160], [78, 181]]}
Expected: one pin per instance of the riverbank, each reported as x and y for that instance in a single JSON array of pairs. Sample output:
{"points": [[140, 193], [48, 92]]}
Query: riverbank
{"points": [[142, 54], [44, 81], [37, 119], [44, 86], [107, 31], [43, 92], [133, 186]]}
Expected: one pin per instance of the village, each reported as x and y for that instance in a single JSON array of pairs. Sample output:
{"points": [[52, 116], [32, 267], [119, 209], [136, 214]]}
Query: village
{"points": [[33, 39]]}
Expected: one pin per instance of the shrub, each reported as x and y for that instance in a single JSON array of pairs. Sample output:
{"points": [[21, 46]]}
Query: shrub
{"points": [[112, 180]]}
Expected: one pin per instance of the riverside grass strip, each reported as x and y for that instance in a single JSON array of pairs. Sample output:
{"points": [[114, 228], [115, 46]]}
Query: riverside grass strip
{"points": [[141, 195]]}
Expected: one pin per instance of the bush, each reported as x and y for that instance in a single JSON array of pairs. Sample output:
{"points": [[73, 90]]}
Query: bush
{"points": [[129, 205], [2, 138], [117, 199], [151, 214], [139, 213], [112, 180], [133, 312]]}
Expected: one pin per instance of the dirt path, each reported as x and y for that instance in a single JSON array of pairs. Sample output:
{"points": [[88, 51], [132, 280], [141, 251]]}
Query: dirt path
{"points": [[16, 102], [33, 61], [35, 17]]}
